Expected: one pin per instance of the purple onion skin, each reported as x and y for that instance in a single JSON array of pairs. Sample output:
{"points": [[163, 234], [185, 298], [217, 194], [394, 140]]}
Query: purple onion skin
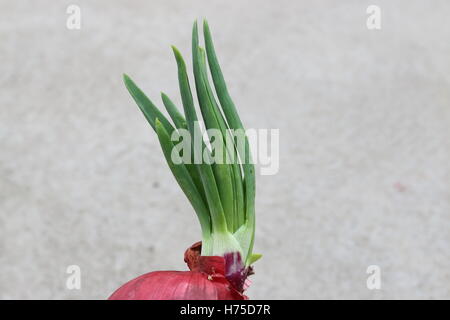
{"points": [[235, 270]]}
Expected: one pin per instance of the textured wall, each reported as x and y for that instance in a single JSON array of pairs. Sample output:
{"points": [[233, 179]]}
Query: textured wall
{"points": [[364, 121]]}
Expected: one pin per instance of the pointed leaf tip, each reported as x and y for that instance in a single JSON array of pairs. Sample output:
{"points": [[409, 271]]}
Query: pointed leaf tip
{"points": [[178, 56], [126, 78], [254, 257]]}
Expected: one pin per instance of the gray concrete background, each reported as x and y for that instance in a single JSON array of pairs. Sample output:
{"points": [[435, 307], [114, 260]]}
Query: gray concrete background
{"points": [[364, 162]]}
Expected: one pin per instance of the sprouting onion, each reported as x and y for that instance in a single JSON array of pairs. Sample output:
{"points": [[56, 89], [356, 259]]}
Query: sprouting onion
{"points": [[222, 193]]}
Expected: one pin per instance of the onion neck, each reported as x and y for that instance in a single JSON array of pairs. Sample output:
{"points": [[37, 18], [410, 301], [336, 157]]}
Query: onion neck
{"points": [[229, 265]]}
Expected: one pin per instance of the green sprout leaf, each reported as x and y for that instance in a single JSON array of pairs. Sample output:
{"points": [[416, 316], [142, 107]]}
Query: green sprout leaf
{"points": [[223, 193]]}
